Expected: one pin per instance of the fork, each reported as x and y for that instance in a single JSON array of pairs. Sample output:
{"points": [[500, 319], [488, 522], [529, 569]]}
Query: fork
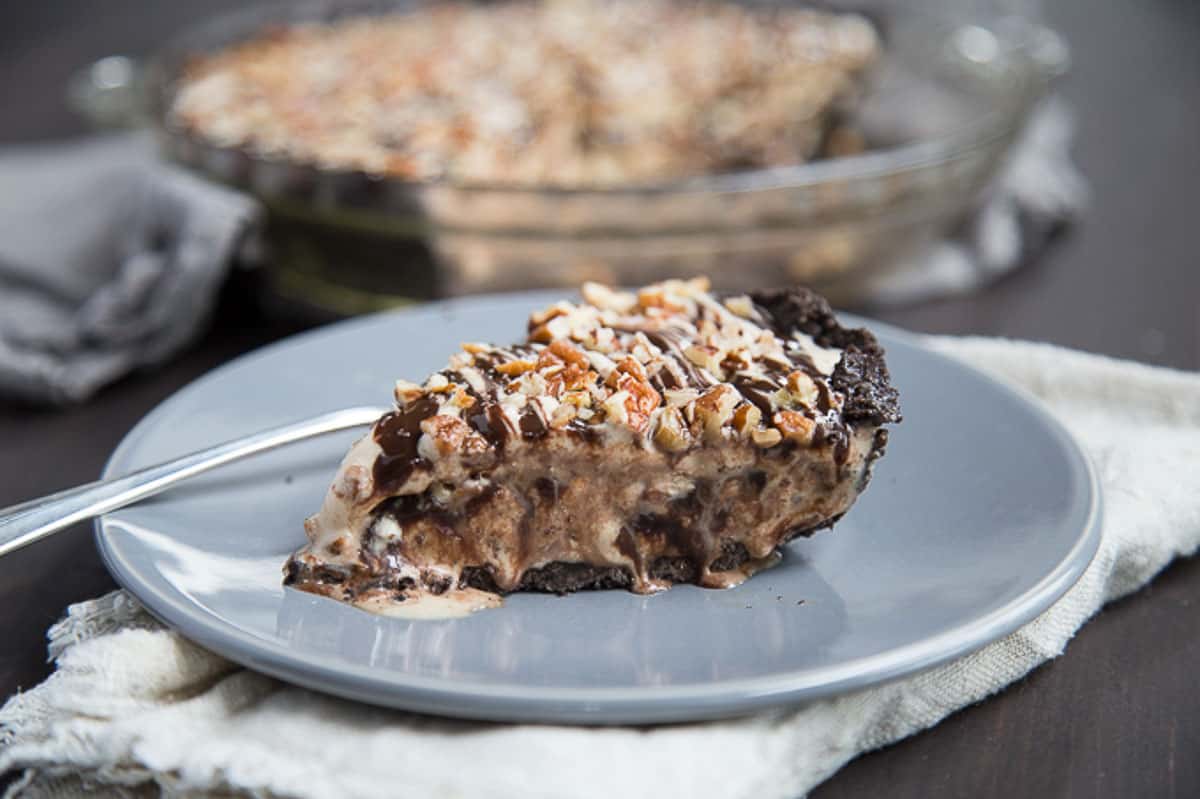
{"points": [[27, 522]]}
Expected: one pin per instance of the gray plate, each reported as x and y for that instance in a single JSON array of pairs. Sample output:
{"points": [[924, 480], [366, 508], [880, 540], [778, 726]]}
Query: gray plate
{"points": [[981, 515]]}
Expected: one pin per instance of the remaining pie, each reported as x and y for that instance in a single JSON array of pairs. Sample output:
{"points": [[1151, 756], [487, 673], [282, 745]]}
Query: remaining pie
{"points": [[633, 440], [567, 93]]}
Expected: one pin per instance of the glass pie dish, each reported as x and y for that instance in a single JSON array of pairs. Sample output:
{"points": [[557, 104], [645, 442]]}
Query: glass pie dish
{"points": [[940, 111]]}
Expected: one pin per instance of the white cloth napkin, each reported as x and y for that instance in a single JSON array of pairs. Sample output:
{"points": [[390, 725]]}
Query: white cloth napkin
{"points": [[135, 708]]}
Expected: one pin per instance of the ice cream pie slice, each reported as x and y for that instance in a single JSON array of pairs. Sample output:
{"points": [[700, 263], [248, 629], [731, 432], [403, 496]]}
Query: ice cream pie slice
{"points": [[634, 440]]}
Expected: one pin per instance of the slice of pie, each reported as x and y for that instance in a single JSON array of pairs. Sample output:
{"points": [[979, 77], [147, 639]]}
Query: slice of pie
{"points": [[633, 440]]}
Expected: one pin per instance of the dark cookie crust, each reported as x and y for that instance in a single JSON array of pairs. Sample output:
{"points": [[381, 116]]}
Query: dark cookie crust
{"points": [[565, 578], [861, 376]]}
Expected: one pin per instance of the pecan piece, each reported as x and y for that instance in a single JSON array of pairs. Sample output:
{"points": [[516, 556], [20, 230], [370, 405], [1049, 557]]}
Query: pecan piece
{"points": [[766, 438], [516, 367], [746, 419], [795, 426], [672, 433], [803, 389], [643, 399], [715, 408], [570, 354]]}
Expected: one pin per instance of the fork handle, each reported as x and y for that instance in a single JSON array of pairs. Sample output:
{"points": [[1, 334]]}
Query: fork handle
{"points": [[21, 525]]}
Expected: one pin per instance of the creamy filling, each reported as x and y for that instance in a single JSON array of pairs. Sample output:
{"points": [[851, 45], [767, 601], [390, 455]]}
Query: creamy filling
{"points": [[713, 517]]}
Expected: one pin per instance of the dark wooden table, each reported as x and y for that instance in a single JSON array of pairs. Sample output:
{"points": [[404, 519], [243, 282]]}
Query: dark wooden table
{"points": [[1117, 716]]}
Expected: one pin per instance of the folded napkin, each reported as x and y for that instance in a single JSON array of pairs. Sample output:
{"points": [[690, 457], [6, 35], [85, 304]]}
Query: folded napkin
{"points": [[1036, 195], [111, 260], [134, 707]]}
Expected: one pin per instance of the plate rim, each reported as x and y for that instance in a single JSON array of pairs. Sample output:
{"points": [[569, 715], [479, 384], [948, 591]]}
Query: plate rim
{"points": [[605, 705]]}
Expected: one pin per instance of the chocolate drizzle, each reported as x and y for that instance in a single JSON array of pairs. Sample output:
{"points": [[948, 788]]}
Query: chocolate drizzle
{"points": [[532, 425], [486, 418], [753, 388], [397, 434], [687, 528], [589, 433], [672, 346], [629, 548]]}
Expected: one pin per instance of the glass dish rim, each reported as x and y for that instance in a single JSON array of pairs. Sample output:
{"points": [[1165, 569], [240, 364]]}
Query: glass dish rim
{"points": [[878, 163]]}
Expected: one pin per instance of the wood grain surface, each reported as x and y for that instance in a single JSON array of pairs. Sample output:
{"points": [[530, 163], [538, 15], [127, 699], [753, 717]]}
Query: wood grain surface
{"points": [[1117, 716]]}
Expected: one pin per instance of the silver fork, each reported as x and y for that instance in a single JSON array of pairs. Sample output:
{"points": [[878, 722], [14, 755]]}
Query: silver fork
{"points": [[31, 521]]}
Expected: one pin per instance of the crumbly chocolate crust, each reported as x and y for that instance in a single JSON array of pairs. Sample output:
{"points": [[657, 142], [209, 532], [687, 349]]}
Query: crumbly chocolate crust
{"points": [[559, 577], [566, 578], [862, 374]]}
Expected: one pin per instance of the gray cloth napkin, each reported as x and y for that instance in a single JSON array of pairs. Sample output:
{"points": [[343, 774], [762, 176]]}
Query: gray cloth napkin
{"points": [[109, 261]]}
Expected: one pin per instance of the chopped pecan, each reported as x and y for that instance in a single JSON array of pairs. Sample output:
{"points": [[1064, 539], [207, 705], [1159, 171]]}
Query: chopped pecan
{"points": [[655, 297], [803, 389], [568, 352], [532, 384], [615, 407], [605, 339], [795, 426], [706, 357], [766, 438], [516, 367], [601, 363], [543, 316], [643, 399], [580, 399], [734, 360], [678, 397], [577, 378], [563, 415], [604, 298], [740, 305], [406, 392], [715, 408], [462, 399], [556, 328], [627, 366], [672, 433], [746, 418], [548, 360]]}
